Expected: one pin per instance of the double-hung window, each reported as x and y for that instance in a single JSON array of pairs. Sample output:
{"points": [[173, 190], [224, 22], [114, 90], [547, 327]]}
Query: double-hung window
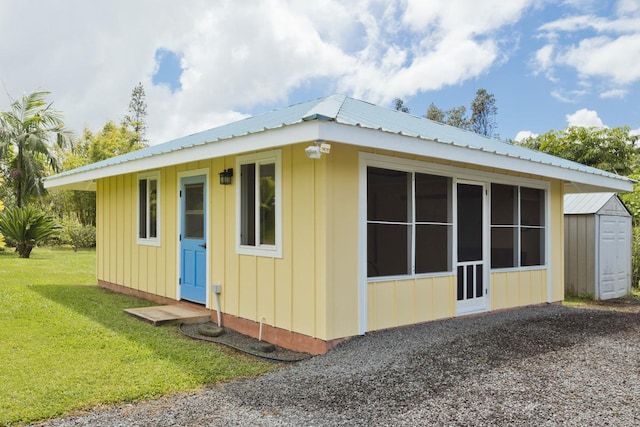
{"points": [[517, 226], [409, 227], [149, 208], [259, 205]]}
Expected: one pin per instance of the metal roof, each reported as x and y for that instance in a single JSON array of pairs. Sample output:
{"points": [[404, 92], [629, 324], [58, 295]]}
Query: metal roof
{"points": [[586, 203], [333, 109]]}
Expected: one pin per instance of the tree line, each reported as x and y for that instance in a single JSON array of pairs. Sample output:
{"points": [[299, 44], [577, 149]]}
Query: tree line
{"points": [[34, 143]]}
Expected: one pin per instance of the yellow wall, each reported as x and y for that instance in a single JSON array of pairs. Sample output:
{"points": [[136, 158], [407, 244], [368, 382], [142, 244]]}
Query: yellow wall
{"points": [[518, 288], [405, 302], [288, 292], [313, 288]]}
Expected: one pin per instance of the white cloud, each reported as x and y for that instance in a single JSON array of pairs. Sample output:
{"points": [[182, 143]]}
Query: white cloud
{"points": [[524, 134], [614, 93], [607, 50], [237, 57], [634, 132], [584, 117]]}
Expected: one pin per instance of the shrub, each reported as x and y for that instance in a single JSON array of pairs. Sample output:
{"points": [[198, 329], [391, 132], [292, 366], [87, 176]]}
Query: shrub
{"points": [[27, 227], [80, 236], [635, 257]]}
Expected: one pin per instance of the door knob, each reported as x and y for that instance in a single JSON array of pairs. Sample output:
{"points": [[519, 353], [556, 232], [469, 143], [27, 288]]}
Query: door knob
{"points": [[204, 246]]}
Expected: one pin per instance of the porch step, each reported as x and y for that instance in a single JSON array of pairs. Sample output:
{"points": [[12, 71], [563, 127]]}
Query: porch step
{"points": [[170, 314]]}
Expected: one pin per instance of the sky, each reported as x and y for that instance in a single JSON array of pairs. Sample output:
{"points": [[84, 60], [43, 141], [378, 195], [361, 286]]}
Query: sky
{"points": [[203, 63]]}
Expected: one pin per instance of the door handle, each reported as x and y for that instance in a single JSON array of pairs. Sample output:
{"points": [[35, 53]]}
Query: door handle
{"points": [[204, 246]]}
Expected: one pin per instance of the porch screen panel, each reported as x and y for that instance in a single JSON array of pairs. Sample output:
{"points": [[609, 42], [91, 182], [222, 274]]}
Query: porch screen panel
{"points": [[388, 228], [504, 226], [409, 226], [433, 229], [532, 208]]}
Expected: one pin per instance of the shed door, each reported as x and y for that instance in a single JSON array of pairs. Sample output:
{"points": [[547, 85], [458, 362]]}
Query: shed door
{"points": [[615, 257]]}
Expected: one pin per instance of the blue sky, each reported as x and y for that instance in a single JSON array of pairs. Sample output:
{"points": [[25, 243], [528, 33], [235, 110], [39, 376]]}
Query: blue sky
{"points": [[548, 63]]}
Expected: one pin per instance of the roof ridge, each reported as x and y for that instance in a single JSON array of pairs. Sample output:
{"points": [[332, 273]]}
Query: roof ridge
{"points": [[326, 109]]}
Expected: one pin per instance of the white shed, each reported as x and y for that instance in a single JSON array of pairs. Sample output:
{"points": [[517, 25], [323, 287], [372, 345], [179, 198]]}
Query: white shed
{"points": [[597, 245]]}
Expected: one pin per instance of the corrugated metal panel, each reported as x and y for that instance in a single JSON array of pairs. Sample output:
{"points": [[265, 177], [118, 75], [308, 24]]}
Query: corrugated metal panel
{"points": [[349, 111], [589, 203]]}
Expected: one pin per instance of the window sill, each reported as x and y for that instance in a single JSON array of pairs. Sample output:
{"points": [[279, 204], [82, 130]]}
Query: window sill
{"points": [[148, 242]]}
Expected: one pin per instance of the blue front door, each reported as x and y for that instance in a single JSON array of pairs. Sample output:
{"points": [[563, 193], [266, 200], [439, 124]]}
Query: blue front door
{"points": [[193, 239]]}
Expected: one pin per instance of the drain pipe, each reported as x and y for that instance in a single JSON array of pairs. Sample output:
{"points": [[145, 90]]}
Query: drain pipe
{"points": [[216, 288]]}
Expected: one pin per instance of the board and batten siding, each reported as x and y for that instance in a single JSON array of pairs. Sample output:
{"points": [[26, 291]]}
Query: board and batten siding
{"points": [[313, 288], [291, 292]]}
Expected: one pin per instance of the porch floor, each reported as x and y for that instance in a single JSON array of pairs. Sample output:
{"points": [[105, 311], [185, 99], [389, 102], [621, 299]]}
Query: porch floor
{"points": [[170, 314]]}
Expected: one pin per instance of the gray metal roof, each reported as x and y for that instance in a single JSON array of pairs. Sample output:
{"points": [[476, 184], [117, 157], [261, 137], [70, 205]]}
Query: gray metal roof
{"points": [[348, 111], [586, 203]]}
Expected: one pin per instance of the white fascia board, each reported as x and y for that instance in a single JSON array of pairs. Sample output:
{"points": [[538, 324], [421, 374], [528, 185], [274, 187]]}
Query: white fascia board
{"points": [[373, 138], [270, 138]]}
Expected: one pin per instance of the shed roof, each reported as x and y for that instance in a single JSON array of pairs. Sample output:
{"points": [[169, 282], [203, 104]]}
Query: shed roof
{"points": [[592, 203], [343, 119]]}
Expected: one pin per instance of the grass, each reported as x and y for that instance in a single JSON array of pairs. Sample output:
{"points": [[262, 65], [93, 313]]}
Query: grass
{"points": [[67, 345], [589, 299]]}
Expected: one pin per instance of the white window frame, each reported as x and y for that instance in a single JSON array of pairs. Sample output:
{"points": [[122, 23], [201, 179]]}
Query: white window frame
{"points": [[148, 176], [267, 157]]}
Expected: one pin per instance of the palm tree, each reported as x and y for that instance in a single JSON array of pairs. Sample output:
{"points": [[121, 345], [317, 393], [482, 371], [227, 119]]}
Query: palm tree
{"points": [[25, 132]]}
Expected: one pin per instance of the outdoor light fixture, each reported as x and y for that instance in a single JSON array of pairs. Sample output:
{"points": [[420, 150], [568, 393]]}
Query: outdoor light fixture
{"points": [[225, 176], [316, 151]]}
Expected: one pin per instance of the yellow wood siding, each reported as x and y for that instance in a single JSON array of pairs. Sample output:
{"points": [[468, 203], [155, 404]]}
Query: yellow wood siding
{"points": [[405, 302], [313, 288], [511, 289]]}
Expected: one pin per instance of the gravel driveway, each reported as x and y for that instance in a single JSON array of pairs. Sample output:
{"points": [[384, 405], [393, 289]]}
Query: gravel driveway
{"points": [[538, 366]]}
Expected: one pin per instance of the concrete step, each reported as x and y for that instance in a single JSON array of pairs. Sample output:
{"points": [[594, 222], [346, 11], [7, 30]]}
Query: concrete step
{"points": [[170, 314]]}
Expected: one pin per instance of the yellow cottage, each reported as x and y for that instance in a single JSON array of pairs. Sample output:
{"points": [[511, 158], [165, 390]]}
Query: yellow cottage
{"points": [[332, 218]]}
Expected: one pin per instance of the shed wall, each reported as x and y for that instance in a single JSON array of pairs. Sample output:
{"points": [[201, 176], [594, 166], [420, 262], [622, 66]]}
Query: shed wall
{"points": [[580, 254]]}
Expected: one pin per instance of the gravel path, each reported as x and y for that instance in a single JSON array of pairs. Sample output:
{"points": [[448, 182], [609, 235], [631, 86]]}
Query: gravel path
{"points": [[538, 366]]}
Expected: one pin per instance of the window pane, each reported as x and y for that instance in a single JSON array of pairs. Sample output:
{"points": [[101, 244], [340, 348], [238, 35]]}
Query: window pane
{"points": [[432, 248], [268, 204], [531, 206], [248, 204], [153, 208], [432, 198], [504, 247], [142, 208], [387, 250], [532, 246], [504, 206], [387, 192], [194, 211]]}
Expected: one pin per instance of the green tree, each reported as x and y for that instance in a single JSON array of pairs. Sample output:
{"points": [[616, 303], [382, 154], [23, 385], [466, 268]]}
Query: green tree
{"points": [[610, 149], [112, 140], [483, 114], [25, 134], [137, 113], [436, 114], [398, 104], [457, 116]]}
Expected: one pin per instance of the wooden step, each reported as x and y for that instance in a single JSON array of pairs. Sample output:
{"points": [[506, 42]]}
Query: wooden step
{"points": [[170, 314]]}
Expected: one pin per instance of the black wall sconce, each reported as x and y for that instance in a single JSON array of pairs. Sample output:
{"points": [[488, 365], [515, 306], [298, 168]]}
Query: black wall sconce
{"points": [[225, 176]]}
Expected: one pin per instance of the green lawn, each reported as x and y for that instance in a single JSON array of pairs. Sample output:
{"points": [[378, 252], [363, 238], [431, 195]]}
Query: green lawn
{"points": [[66, 344]]}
